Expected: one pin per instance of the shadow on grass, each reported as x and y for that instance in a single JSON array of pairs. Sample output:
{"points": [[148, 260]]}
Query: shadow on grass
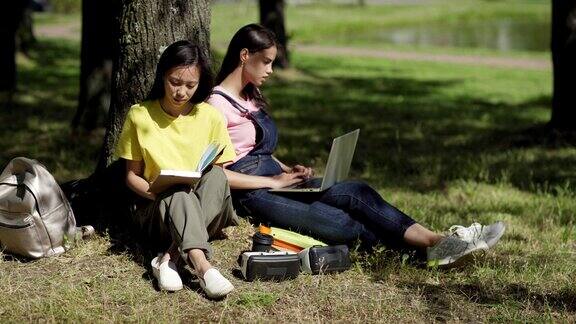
{"points": [[37, 125], [440, 299], [413, 136], [104, 201]]}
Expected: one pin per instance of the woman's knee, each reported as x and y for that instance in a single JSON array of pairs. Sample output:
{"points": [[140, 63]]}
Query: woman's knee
{"points": [[179, 197], [333, 224], [216, 177], [217, 173], [353, 188]]}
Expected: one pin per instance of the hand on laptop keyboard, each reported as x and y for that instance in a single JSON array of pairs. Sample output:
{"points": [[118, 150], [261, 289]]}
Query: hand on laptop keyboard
{"points": [[309, 183], [307, 171], [286, 179]]}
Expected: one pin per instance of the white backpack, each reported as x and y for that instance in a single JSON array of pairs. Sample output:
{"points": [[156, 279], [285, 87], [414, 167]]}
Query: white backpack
{"points": [[36, 219]]}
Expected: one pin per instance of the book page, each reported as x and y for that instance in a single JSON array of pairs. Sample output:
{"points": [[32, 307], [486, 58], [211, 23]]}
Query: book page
{"points": [[211, 154], [169, 178]]}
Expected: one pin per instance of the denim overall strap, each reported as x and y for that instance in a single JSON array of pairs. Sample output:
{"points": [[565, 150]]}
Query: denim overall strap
{"points": [[268, 133], [259, 160], [233, 102]]}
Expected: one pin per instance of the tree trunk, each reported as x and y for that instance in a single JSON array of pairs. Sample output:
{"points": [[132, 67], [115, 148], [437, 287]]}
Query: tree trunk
{"points": [[98, 48], [25, 38], [10, 17], [564, 65], [272, 17], [146, 27]]}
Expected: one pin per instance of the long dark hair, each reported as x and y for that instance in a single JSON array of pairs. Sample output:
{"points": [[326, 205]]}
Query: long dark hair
{"points": [[254, 38], [183, 53]]}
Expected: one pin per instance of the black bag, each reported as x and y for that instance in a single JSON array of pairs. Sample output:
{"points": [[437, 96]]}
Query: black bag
{"points": [[100, 193], [324, 259]]}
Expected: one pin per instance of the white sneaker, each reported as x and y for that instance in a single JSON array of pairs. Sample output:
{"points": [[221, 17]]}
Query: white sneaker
{"points": [[214, 284], [166, 274], [451, 249], [490, 234], [86, 231]]}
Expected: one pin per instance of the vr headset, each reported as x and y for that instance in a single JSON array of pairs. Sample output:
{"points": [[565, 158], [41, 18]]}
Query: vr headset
{"points": [[324, 259], [276, 266]]}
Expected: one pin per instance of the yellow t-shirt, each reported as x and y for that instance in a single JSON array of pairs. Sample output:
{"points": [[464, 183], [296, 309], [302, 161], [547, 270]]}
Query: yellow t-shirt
{"points": [[167, 142]]}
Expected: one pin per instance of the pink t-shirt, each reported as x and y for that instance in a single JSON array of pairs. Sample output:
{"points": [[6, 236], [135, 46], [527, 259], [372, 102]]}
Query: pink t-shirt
{"points": [[240, 128]]}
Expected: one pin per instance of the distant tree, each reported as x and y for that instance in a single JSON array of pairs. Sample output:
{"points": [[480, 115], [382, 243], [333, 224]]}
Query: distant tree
{"points": [[10, 18], [25, 38], [564, 65], [146, 27], [272, 16], [98, 47]]}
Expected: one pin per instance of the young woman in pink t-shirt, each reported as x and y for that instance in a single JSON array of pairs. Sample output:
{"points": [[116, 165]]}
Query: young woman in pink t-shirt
{"points": [[345, 212]]}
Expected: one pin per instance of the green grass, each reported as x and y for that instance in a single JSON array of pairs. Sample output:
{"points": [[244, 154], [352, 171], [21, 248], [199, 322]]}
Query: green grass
{"points": [[346, 25], [332, 24], [38, 125], [446, 143], [54, 18], [415, 113]]}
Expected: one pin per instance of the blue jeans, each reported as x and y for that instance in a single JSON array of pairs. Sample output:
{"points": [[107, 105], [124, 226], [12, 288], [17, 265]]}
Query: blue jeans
{"points": [[347, 211]]}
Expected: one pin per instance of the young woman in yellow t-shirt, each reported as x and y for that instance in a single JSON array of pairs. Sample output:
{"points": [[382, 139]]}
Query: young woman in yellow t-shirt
{"points": [[170, 130]]}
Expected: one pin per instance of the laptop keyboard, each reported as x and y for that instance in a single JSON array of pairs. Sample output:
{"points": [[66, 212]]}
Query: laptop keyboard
{"points": [[307, 184]]}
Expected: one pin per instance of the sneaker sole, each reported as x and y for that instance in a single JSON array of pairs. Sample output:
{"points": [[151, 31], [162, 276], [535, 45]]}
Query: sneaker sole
{"points": [[495, 240], [170, 289], [449, 262]]}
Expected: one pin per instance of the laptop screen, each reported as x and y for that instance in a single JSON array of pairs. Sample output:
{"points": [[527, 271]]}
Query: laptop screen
{"points": [[340, 159]]}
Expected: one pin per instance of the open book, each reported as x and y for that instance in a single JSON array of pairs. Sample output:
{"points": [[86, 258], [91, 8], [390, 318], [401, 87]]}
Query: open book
{"points": [[168, 178]]}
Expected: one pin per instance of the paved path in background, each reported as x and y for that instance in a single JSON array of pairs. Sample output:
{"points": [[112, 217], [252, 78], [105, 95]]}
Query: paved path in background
{"points": [[72, 31], [492, 61]]}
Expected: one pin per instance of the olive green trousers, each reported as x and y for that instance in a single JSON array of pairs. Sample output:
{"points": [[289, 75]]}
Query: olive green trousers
{"points": [[189, 217]]}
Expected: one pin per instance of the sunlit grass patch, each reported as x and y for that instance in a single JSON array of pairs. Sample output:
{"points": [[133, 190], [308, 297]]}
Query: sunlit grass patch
{"points": [[364, 26]]}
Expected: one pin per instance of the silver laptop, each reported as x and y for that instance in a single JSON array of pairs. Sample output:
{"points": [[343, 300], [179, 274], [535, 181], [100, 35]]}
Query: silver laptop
{"points": [[337, 168]]}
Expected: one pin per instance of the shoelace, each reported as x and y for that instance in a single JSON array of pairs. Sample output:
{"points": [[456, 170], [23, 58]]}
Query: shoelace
{"points": [[468, 234]]}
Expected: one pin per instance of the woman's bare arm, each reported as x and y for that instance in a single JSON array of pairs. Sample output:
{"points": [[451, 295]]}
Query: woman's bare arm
{"points": [[284, 167], [244, 181], [135, 181]]}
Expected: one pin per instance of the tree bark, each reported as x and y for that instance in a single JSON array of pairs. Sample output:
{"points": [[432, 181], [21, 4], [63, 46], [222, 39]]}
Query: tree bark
{"points": [[272, 17], [146, 27], [98, 48], [11, 15], [564, 65]]}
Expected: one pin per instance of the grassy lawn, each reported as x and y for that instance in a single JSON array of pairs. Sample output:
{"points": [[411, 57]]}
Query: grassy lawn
{"points": [[446, 143], [347, 25], [38, 125], [321, 23]]}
